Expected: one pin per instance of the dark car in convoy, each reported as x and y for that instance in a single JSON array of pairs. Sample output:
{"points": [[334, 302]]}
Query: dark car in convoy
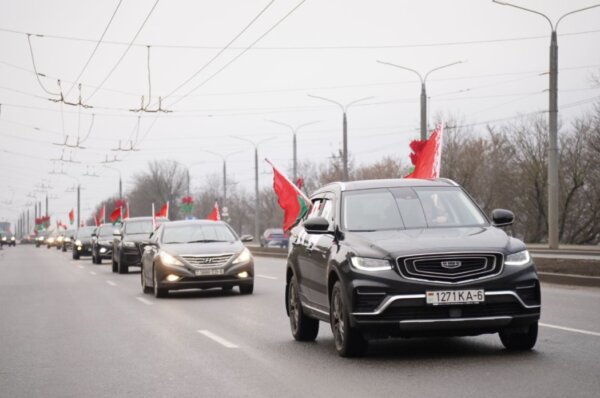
{"points": [[404, 258], [82, 245], [102, 242], [40, 239], [196, 254], [8, 239], [67, 241], [127, 251], [274, 237]]}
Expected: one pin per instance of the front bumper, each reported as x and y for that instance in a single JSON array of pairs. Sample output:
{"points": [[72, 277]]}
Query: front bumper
{"points": [[397, 306], [105, 251], [189, 280]]}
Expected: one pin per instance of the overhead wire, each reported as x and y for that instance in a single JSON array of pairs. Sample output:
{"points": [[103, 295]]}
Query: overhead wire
{"points": [[124, 52], [37, 74], [95, 48]]}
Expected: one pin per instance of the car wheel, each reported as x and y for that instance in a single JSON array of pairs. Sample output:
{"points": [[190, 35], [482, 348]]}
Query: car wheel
{"points": [[247, 289], [158, 292], [114, 265], [349, 342], [75, 255], [64, 249], [520, 340], [123, 268], [303, 327], [145, 288], [98, 260]]}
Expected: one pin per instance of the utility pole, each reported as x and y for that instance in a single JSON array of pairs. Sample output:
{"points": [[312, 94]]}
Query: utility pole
{"points": [[46, 205], [78, 205], [553, 183], [294, 131], [423, 79], [344, 109]]}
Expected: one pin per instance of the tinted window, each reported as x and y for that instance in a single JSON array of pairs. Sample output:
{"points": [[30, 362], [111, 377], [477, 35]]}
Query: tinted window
{"points": [[197, 233], [106, 230], [400, 208], [85, 232], [138, 227]]}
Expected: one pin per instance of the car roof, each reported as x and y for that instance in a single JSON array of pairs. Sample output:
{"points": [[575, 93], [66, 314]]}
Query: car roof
{"points": [[172, 224], [388, 183], [132, 219]]}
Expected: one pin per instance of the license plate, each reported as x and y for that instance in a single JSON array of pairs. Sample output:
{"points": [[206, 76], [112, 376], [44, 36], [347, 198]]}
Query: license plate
{"points": [[448, 297], [215, 271]]}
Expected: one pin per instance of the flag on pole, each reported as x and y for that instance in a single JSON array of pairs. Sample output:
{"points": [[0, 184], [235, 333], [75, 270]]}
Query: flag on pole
{"points": [[126, 215], [214, 215], [291, 199], [426, 155], [115, 216], [100, 217], [164, 211], [153, 218], [104, 213], [71, 217]]}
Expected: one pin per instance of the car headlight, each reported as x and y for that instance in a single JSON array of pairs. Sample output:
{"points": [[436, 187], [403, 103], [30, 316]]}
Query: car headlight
{"points": [[243, 257], [4, 238], [519, 258], [67, 239], [78, 242], [167, 259], [128, 244], [370, 264], [50, 240], [12, 238]]}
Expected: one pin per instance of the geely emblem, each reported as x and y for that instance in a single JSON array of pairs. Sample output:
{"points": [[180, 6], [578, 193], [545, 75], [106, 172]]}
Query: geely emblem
{"points": [[451, 264]]}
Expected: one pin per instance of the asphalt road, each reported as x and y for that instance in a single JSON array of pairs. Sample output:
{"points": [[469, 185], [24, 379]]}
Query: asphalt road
{"points": [[73, 329]]}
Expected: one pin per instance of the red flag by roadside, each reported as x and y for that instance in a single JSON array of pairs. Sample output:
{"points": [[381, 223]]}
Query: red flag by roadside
{"points": [[71, 217], [293, 202], [126, 215], [214, 215], [426, 155], [115, 216], [164, 211]]}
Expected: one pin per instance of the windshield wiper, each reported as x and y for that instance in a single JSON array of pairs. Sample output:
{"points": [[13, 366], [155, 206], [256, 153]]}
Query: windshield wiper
{"points": [[206, 241]]}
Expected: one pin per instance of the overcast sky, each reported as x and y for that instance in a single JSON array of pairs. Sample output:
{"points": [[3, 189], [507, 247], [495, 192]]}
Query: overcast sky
{"points": [[325, 48]]}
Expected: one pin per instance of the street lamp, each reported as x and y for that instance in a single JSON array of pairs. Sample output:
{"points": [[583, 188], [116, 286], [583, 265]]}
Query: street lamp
{"points": [[78, 198], [344, 126], [294, 132], [423, 79], [256, 202], [120, 180], [224, 158], [553, 196]]}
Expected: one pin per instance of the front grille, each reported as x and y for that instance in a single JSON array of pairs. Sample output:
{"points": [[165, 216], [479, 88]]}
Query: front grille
{"points": [[450, 268], [455, 311], [366, 301], [207, 261]]}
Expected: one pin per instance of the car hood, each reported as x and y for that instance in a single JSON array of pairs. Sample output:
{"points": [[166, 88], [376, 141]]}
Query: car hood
{"points": [[203, 248], [432, 240]]}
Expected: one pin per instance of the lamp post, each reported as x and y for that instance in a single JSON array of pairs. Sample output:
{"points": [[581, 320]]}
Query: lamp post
{"points": [[423, 79], [256, 201], [344, 109], [120, 180], [553, 193], [294, 131], [224, 158], [188, 190]]}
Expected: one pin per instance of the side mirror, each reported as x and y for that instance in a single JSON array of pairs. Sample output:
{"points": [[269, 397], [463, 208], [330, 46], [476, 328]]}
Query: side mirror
{"points": [[316, 225], [147, 243], [247, 238], [502, 217], [117, 232], [94, 235]]}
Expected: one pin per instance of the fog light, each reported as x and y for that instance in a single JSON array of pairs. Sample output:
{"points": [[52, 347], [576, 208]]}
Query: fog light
{"points": [[102, 250], [243, 274], [173, 278]]}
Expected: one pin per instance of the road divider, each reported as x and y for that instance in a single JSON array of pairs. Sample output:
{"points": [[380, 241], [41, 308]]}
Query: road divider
{"points": [[217, 339]]}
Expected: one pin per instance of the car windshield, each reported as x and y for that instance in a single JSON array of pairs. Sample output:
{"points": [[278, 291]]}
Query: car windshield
{"points": [[198, 233], [138, 227], [406, 208], [85, 232], [106, 231]]}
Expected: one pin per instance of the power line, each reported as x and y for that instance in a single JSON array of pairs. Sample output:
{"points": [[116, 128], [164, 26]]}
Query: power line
{"points": [[302, 48], [37, 74], [95, 48], [124, 52]]}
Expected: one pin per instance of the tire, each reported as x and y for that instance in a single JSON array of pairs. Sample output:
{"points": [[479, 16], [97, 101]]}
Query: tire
{"points": [[520, 340], [145, 288], [303, 328], [122, 268], [64, 248], [115, 265], [247, 289], [349, 342], [158, 292], [98, 260]]}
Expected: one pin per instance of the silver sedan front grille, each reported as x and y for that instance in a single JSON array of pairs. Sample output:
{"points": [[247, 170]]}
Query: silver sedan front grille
{"points": [[207, 260]]}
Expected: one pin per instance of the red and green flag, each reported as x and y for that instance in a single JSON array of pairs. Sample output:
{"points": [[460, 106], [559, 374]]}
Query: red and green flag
{"points": [[214, 214], [291, 199], [115, 216], [71, 217], [426, 155]]}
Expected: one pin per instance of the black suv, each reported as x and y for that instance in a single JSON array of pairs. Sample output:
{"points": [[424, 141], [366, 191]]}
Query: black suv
{"points": [[82, 245], [102, 242], [127, 250], [407, 258]]}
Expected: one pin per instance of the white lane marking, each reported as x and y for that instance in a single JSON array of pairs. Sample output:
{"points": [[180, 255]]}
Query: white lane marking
{"points": [[218, 339], [266, 276], [570, 329], [80, 266], [111, 283], [143, 300], [93, 273]]}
